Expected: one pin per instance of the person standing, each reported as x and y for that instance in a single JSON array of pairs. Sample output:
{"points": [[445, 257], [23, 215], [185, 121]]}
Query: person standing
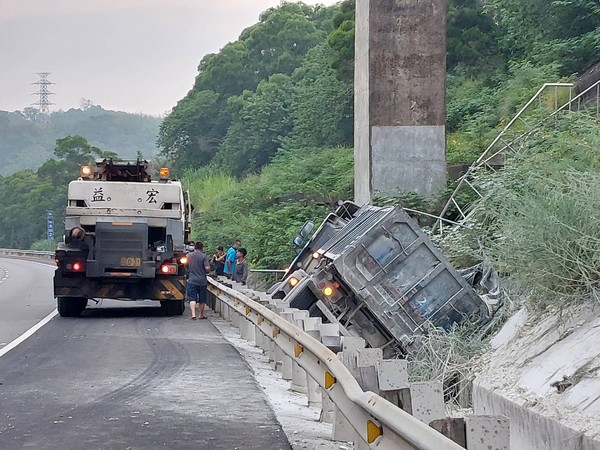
{"points": [[240, 273], [218, 259], [231, 258], [197, 284]]}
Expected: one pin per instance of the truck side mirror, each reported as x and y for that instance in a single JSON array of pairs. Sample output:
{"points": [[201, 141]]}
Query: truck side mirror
{"points": [[306, 229]]}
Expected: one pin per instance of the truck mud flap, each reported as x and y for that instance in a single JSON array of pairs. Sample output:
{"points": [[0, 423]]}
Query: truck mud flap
{"points": [[169, 289]]}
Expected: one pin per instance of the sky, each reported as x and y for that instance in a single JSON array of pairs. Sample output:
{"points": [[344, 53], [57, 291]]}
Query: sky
{"points": [[137, 56]]}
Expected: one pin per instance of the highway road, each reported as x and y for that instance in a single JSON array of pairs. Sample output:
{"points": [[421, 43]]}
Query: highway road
{"points": [[121, 377]]}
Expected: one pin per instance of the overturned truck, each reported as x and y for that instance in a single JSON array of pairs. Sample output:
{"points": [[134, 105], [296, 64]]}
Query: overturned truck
{"points": [[380, 277]]}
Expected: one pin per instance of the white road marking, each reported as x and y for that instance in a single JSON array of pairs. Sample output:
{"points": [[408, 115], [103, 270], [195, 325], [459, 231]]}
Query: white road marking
{"points": [[5, 275], [28, 333]]}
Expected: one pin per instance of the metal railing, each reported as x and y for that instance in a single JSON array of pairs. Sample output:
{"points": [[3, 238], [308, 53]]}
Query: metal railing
{"points": [[262, 279], [505, 145], [379, 423]]}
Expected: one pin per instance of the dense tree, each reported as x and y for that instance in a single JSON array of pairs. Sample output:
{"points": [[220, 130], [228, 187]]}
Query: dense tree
{"points": [[214, 116], [27, 195], [341, 40], [472, 36], [322, 105], [261, 120], [541, 31], [189, 135]]}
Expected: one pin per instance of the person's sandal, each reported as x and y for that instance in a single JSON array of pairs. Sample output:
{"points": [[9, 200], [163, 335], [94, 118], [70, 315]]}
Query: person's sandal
{"points": [[193, 318]]}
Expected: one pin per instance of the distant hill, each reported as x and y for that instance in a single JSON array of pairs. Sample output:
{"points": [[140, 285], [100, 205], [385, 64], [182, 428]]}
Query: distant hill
{"points": [[27, 141]]}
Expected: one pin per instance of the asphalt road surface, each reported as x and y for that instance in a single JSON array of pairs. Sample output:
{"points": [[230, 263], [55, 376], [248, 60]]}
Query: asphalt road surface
{"points": [[123, 377], [25, 296]]}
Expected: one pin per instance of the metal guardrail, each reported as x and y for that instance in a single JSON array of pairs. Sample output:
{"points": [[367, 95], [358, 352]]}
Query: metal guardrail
{"points": [[379, 423], [26, 253]]}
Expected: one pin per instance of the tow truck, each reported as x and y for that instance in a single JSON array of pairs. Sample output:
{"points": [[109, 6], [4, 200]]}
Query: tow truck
{"points": [[125, 238]]}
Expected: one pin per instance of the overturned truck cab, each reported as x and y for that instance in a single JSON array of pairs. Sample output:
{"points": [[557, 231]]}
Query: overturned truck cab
{"points": [[124, 238], [383, 279]]}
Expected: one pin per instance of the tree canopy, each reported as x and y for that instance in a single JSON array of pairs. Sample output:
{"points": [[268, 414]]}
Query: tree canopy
{"points": [[27, 139]]}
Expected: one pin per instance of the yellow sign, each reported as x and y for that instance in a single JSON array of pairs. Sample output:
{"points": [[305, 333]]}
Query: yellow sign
{"points": [[131, 262]]}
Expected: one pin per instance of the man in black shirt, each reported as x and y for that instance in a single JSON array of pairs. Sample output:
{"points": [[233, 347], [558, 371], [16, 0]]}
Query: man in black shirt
{"points": [[197, 284]]}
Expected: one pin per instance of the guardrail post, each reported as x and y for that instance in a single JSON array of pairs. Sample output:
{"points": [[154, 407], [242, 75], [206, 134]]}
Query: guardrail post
{"points": [[261, 339], [299, 381], [427, 401], [485, 432], [286, 361], [476, 432], [269, 345], [327, 408], [361, 363], [235, 318], [230, 314], [217, 305], [311, 326], [392, 375], [453, 428], [248, 330], [330, 336]]}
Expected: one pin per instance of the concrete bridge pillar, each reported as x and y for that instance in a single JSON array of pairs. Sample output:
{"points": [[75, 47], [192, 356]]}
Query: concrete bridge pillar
{"points": [[399, 95]]}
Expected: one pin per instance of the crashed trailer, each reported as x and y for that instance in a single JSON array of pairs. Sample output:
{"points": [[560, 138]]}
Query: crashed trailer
{"points": [[384, 280]]}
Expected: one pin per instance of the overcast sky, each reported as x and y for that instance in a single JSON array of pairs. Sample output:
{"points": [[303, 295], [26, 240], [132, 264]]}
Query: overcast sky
{"points": [[138, 56]]}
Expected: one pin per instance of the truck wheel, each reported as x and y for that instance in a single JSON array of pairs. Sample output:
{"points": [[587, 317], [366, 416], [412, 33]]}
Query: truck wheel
{"points": [[71, 306], [172, 307]]}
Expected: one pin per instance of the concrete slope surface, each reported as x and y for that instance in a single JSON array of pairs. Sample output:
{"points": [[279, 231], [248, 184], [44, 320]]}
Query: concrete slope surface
{"points": [[124, 377], [543, 375]]}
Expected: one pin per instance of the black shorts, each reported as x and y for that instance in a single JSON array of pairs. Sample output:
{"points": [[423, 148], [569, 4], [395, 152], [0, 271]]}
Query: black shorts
{"points": [[195, 293]]}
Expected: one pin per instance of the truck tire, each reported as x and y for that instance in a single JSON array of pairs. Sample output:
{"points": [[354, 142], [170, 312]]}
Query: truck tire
{"points": [[172, 307], [70, 306]]}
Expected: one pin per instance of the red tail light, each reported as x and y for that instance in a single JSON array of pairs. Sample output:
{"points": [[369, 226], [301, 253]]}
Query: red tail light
{"points": [[75, 267], [169, 269]]}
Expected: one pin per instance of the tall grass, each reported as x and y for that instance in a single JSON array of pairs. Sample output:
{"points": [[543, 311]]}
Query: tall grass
{"points": [[542, 215], [206, 185], [550, 237]]}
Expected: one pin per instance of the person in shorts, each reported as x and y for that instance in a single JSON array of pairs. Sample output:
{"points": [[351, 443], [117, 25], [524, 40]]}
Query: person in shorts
{"points": [[197, 284]]}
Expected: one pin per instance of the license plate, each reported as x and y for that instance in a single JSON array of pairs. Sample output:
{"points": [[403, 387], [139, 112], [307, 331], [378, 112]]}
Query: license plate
{"points": [[131, 262]]}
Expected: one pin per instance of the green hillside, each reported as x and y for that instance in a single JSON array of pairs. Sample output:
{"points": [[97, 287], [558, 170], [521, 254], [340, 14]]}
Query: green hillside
{"points": [[27, 140]]}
